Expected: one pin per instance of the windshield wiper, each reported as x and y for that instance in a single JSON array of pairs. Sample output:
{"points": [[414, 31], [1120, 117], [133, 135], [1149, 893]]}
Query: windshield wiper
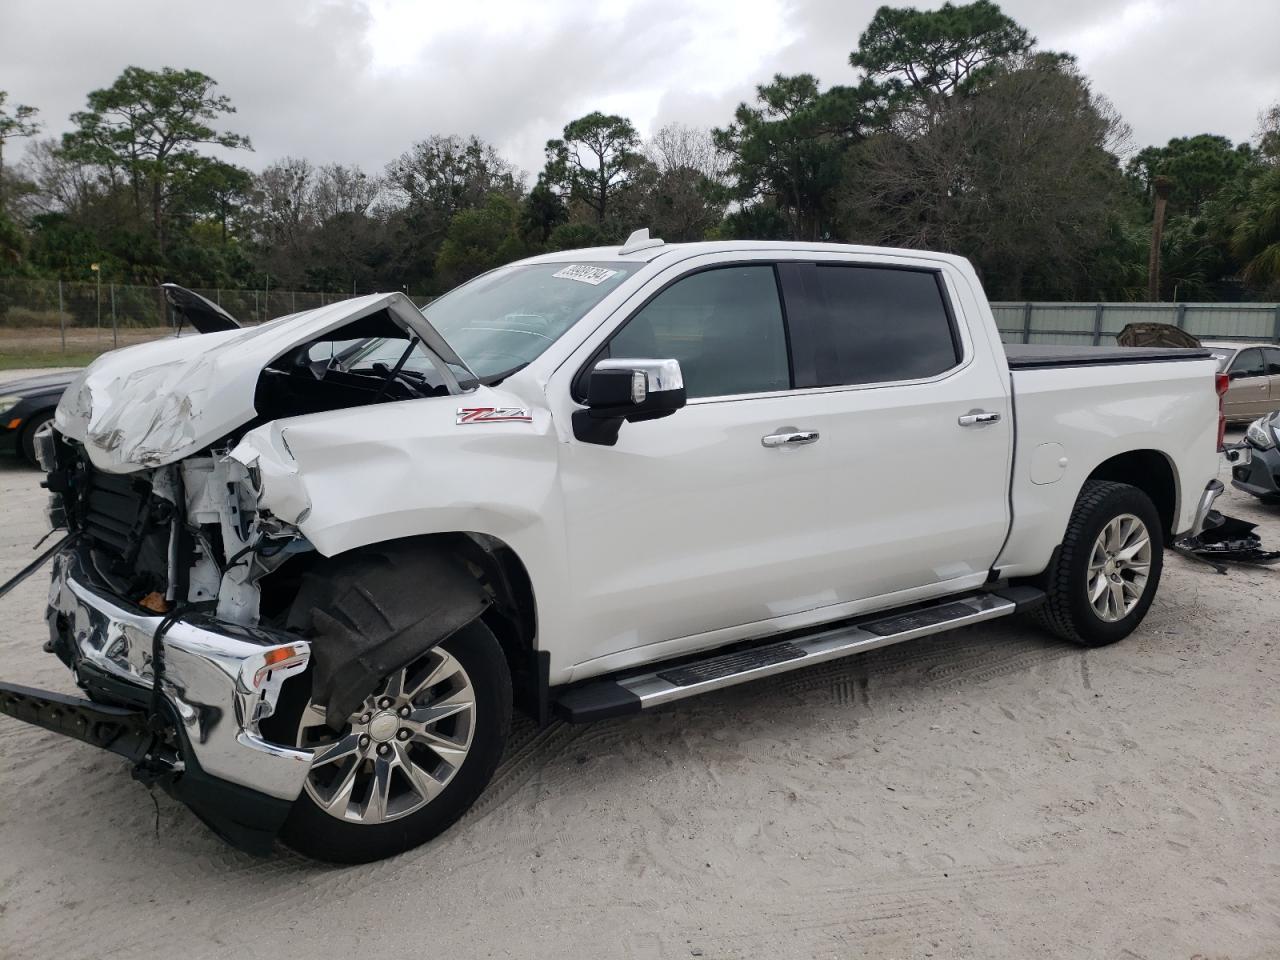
{"points": [[497, 378]]}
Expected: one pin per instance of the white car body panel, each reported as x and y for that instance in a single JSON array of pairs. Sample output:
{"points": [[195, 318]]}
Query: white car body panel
{"points": [[1094, 415]]}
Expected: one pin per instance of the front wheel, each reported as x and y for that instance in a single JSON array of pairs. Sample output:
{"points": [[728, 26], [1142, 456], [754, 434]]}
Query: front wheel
{"points": [[411, 759], [1106, 573]]}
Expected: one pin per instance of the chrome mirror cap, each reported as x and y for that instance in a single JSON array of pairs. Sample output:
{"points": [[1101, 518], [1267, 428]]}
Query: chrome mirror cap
{"points": [[659, 375]]}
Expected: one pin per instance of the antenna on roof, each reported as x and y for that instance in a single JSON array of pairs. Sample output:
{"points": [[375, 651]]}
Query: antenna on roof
{"points": [[639, 240]]}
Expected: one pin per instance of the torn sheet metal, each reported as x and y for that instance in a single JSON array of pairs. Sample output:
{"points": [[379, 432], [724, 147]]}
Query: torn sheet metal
{"points": [[158, 402], [1226, 540]]}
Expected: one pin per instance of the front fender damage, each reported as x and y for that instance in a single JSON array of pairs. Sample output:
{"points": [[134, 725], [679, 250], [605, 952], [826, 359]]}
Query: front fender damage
{"points": [[371, 612]]}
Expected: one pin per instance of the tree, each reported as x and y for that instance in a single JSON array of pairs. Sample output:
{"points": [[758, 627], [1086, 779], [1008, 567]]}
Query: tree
{"points": [[348, 244], [936, 52], [218, 189], [788, 151], [285, 217], [595, 161], [1018, 177], [21, 122], [543, 210], [433, 181], [480, 239], [684, 183], [145, 128], [1255, 234], [1195, 167], [1269, 134]]}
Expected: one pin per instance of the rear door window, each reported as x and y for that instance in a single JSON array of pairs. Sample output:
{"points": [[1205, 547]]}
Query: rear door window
{"points": [[853, 324]]}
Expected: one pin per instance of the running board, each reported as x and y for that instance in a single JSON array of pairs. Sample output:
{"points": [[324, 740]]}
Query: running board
{"points": [[599, 699]]}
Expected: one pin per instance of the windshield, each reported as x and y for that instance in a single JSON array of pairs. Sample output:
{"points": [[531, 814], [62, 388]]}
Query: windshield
{"points": [[504, 320]]}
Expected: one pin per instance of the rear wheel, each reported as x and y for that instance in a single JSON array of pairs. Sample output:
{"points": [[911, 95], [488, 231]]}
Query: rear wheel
{"points": [[1106, 573], [411, 759]]}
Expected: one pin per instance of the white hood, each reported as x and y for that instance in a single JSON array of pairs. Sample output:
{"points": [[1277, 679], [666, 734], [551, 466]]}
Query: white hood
{"points": [[158, 402]]}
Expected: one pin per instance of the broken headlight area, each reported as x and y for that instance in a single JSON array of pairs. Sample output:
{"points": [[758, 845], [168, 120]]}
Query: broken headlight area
{"points": [[188, 535]]}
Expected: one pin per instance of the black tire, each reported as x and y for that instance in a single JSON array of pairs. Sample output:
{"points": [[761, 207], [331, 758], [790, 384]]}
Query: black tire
{"points": [[1068, 611], [28, 438], [317, 834]]}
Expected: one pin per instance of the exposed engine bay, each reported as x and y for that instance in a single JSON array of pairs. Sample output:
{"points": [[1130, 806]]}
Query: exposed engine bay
{"points": [[372, 360], [189, 534]]}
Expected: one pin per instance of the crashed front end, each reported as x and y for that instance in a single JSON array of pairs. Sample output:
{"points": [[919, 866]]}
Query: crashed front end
{"points": [[169, 598], [162, 577]]}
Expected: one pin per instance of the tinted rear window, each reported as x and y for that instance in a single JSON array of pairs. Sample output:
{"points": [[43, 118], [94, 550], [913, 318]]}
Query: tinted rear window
{"points": [[858, 324]]}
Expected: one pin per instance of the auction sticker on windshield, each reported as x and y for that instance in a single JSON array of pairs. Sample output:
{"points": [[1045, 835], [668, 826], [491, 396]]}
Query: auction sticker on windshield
{"points": [[584, 274]]}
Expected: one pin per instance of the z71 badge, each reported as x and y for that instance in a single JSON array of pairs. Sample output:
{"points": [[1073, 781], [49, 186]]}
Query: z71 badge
{"points": [[493, 415]]}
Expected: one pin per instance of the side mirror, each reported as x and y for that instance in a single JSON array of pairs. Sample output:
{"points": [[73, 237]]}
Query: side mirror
{"points": [[627, 390]]}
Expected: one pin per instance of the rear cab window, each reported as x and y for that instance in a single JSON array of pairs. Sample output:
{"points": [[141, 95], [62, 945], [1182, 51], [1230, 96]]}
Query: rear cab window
{"points": [[856, 324]]}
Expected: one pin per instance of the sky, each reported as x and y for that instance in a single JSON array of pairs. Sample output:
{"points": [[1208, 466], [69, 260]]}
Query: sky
{"points": [[358, 81]]}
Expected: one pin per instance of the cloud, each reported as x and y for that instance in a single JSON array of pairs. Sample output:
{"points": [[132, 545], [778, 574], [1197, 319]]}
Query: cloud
{"points": [[358, 81]]}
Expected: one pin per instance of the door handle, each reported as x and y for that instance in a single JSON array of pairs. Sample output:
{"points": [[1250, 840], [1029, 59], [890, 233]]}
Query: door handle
{"points": [[977, 418], [790, 437]]}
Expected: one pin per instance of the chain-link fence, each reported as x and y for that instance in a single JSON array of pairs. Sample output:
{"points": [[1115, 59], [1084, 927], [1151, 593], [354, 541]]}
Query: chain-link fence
{"points": [[37, 315]]}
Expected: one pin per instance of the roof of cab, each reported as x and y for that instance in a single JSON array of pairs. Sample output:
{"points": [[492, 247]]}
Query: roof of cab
{"points": [[681, 251]]}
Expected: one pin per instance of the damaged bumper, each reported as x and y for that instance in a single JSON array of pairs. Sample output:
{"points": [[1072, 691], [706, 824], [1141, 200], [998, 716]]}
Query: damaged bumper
{"points": [[219, 681]]}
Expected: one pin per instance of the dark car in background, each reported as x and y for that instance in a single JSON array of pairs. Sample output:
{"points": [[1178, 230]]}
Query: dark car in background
{"points": [[1258, 471], [28, 404]]}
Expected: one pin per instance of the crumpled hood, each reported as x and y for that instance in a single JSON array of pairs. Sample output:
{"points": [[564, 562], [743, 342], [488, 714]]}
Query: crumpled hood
{"points": [[155, 403]]}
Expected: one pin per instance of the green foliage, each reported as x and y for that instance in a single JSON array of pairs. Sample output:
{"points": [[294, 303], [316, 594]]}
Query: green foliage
{"points": [[1255, 235], [479, 240], [570, 236], [789, 149], [542, 211], [1198, 167], [594, 163], [13, 247], [937, 51]]}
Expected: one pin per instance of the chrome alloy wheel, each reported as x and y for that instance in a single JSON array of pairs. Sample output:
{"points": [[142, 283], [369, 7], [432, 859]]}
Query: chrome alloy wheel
{"points": [[1118, 567], [399, 750]]}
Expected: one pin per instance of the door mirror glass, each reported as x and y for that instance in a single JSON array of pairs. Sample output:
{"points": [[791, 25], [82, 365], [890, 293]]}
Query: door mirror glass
{"points": [[628, 390]]}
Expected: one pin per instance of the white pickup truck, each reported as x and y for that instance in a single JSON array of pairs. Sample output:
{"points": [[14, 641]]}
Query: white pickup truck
{"points": [[313, 566]]}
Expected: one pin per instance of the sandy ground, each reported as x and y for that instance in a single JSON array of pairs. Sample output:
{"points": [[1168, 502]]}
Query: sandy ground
{"points": [[988, 793]]}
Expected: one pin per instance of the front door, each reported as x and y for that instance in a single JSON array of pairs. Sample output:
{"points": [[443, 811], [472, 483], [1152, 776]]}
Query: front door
{"points": [[695, 524]]}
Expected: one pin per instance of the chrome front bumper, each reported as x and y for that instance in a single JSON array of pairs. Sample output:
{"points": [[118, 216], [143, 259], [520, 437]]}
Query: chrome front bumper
{"points": [[219, 679]]}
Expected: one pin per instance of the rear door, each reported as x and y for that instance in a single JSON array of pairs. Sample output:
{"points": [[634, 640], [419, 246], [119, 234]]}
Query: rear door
{"points": [[916, 431], [1249, 389]]}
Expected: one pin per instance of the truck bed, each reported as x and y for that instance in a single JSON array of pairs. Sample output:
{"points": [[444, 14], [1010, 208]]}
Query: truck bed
{"points": [[1027, 356]]}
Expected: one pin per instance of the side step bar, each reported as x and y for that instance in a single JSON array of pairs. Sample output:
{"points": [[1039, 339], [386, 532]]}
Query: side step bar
{"points": [[599, 699]]}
